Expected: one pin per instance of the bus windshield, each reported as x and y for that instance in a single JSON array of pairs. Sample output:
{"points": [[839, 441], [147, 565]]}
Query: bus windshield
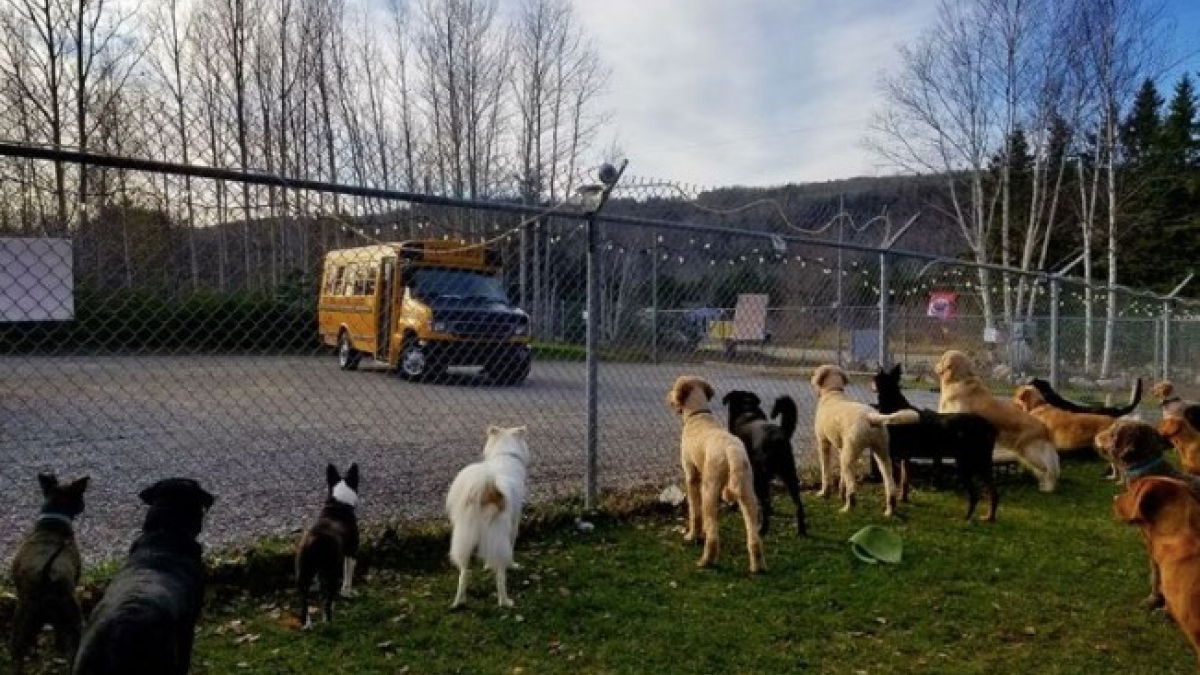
{"points": [[434, 283]]}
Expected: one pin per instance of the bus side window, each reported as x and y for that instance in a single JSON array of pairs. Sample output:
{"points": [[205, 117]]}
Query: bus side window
{"points": [[361, 273], [346, 286], [372, 274], [334, 278]]}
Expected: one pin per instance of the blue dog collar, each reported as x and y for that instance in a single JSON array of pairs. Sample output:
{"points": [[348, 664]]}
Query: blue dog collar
{"points": [[57, 517], [1140, 470]]}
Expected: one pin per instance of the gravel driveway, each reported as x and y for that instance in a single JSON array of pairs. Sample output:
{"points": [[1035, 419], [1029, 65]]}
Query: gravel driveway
{"points": [[257, 431]]}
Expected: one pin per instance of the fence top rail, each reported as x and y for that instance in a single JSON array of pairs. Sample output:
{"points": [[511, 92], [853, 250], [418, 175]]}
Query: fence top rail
{"points": [[562, 210], [53, 154]]}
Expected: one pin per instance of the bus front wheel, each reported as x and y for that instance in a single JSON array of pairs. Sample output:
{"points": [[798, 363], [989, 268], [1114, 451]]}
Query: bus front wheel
{"points": [[348, 356], [415, 364]]}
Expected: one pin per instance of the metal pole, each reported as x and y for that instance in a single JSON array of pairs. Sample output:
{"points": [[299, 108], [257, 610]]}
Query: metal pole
{"points": [[841, 239], [1055, 290], [610, 177], [654, 297], [883, 310], [593, 346], [1166, 340]]}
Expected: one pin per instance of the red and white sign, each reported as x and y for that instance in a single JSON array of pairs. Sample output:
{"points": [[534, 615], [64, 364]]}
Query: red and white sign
{"points": [[942, 304]]}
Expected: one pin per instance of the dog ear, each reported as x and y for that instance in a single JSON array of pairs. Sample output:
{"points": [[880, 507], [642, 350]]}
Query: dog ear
{"points": [[895, 372], [727, 398], [352, 476], [332, 477], [150, 494], [709, 392], [1142, 502], [754, 399], [79, 486], [48, 481], [494, 430], [206, 498]]}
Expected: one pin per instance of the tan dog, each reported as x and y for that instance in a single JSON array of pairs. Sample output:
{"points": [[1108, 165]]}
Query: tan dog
{"points": [[1169, 517], [715, 467], [852, 428], [1172, 405], [1021, 433], [1186, 440], [1068, 430]]}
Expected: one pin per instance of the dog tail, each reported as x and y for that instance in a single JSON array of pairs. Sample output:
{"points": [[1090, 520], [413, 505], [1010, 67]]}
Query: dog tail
{"points": [[1135, 397], [785, 409], [479, 512], [740, 472], [896, 418], [48, 566]]}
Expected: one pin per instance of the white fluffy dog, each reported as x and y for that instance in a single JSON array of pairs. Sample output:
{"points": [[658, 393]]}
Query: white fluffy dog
{"points": [[484, 504]]}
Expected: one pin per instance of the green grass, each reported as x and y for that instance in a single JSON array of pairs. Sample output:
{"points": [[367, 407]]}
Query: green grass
{"points": [[1053, 587]]}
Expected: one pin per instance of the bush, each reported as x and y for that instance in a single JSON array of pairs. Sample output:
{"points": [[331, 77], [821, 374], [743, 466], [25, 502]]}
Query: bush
{"points": [[116, 322]]}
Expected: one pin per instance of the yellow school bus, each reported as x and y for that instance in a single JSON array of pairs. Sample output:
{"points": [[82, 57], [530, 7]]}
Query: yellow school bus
{"points": [[419, 307]]}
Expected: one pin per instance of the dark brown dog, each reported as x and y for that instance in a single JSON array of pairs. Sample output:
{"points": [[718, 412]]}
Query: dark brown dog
{"points": [[1169, 516], [45, 572], [1136, 449]]}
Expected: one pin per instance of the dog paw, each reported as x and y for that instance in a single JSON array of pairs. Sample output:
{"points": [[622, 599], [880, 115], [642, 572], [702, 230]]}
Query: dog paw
{"points": [[507, 603], [457, 605], [349, 593], [1154, 601]]}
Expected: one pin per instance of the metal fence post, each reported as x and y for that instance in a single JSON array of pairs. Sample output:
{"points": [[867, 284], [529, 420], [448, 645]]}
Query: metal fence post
{"points": [[1055, 355], [1166, 340], [599, 193], [654, 297], [884, 294]]}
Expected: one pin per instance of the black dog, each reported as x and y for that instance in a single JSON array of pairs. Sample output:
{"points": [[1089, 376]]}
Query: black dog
{"points": [[769, 446], [1052, 397], [45, 572], [968, 438], [146, 621], [329, 548]]}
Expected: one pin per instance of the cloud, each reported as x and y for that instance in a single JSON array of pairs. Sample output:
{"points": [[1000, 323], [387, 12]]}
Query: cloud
{"points": [[752, 92]]}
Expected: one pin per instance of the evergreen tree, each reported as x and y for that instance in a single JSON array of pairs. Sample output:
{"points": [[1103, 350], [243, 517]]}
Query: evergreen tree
{"points": [[1141, 129]]}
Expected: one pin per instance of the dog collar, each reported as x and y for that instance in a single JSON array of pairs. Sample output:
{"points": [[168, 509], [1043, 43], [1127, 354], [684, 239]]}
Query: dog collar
{"points": [[1169, 401], [701, 411], [56, 517], [1143, 469]]}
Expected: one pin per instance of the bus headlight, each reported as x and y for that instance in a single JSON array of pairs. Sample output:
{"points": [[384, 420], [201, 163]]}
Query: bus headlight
{"points": [[521, 328], [439, 326]]}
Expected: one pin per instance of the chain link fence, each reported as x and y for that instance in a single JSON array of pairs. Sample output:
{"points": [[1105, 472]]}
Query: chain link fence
{"points": [[245, 330]]}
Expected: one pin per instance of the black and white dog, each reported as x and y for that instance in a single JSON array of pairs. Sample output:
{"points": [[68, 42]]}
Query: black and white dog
{"points": [[145, 623], [769, 446], [328, 550]]}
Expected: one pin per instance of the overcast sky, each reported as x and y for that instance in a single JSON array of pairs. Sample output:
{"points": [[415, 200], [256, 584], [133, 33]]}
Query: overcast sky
{"points": [[759, 92]]}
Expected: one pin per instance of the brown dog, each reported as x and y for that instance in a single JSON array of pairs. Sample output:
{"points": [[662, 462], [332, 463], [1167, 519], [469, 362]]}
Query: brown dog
{"points": [[1023, 434], [715, 467], [1136, 449], [45, 572], [852, 428], [1068, 430], [1182, 435], [1168, 514]]}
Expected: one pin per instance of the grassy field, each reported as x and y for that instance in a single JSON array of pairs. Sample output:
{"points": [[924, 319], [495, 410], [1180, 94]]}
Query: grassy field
{"points": [[1053, 587]]}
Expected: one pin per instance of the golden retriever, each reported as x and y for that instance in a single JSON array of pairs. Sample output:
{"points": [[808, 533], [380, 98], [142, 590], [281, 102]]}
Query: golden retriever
{"points": [[1180, 432], [1021, 433], [1168, 514], [852, 428], [715, 467], [1068, 430]]}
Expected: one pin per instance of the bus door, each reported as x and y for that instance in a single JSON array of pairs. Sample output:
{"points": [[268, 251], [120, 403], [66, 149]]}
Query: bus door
{"points": [[387, 304]]}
